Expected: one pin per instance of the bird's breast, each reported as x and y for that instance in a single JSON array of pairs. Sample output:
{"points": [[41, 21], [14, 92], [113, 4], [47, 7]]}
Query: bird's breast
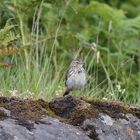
{"points": [[76, 80]]}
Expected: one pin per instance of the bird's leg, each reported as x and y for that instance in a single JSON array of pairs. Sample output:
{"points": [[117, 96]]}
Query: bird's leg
{"points": [[67, 92]]}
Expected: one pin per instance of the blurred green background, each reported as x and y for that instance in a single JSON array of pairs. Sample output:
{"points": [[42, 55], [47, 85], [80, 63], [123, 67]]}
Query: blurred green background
{"points": [[39, 39]]}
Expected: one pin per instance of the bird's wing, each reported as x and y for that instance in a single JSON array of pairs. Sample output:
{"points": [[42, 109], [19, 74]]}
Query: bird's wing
{"points": [[70, 72]]}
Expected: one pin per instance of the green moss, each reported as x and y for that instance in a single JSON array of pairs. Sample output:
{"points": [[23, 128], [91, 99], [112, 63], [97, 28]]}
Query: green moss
{"points": [[79, 116], [114, 109], [34, 109], [24, 109]]}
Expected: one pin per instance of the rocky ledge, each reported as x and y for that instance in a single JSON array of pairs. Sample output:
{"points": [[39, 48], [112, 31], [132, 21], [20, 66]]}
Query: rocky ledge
{"points": [[68, 118]]}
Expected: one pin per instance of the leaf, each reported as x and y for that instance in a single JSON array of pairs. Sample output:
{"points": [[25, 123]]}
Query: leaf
{"points": [[7, 35]]}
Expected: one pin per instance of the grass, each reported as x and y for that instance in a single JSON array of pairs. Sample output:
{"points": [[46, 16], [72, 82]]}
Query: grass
{"points": [[44, 78]]}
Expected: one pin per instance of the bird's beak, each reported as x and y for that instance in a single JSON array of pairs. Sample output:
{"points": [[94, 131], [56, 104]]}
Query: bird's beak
{"points": [[76, 65]]}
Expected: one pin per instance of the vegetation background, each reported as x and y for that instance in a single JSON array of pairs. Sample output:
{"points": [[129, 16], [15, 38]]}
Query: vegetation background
{"points": [[39, 39]]}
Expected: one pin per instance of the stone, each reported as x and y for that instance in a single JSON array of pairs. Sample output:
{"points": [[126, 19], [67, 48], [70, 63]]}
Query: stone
{"points": [[10, 129], [68, 118]]}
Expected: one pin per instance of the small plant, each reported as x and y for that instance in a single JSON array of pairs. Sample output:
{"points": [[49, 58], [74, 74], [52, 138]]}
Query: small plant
{"points": [[7, 36]]}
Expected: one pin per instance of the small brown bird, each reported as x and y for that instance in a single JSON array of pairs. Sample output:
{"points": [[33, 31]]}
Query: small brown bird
{"points": [[76, 76]]}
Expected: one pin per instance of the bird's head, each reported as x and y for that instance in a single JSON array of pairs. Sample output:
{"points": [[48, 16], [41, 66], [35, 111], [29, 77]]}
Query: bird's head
{"points": [[77, 63]]}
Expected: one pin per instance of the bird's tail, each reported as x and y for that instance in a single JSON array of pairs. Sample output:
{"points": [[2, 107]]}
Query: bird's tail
{"points": [[66, 92]]}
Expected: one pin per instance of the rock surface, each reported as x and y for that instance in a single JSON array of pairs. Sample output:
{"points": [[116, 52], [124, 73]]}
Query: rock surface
{"points": [[48, 129], [68, 118]]}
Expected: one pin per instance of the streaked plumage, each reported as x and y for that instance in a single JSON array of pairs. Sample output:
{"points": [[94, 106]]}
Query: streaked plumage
{"points": [[76, 76]]}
